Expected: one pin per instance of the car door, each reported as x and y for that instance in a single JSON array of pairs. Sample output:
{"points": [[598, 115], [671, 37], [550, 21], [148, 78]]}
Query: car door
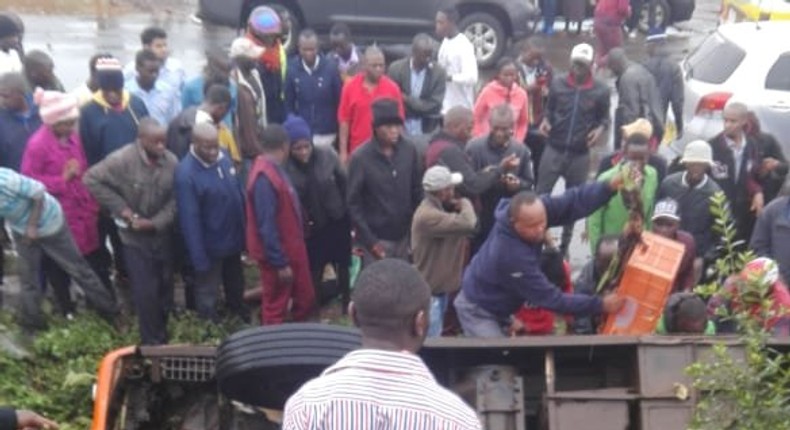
{"points": [[320, 15], [773, 110], [395, 20]]}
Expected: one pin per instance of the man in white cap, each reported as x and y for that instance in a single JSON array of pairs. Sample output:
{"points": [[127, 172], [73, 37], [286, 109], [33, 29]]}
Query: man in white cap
{"points": [[440, 233], [251, 108], [577, 114], [692, 189], [666, 223]]}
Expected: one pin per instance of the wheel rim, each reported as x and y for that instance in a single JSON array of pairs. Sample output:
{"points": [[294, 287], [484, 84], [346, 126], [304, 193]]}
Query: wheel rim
{"points": [[483, 38], [644, 17]]}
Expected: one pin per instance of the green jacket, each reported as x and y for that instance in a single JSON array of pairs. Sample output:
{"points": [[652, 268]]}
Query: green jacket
{"points": [[612, 217]]}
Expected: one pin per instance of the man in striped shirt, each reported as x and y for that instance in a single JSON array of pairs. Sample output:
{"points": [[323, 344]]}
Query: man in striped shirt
{"points": [[384, 385], [37, 223]]}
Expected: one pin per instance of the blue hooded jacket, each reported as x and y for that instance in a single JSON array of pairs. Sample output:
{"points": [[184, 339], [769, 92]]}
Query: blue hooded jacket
{"points": [[505, 273]]}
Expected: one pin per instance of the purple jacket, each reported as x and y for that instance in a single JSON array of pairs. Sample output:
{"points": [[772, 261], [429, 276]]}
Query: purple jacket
{"points": [[45, 159]]}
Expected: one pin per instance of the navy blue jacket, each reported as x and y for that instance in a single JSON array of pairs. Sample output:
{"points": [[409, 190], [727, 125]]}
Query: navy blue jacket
{"points": [[7, 418], [15, 130], [314, 97], [104, 129], [210, 202], [505, 273]]}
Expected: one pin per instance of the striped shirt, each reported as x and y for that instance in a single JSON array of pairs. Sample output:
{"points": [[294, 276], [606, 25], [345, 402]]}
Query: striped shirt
{"points": [[16, 194], [377, 390]]}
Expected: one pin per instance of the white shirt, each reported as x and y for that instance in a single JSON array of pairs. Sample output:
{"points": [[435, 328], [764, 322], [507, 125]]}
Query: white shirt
{"points": [[457, 57], [372, 389], [10, 62]]}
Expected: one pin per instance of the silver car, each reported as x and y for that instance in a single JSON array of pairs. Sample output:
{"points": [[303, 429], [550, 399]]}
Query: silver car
{"points": [[748, 62]]}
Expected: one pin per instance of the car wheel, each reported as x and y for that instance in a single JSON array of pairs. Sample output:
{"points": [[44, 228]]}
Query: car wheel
{"points": [[264, 366], [289, 19], [487, 36], [662, 15]]}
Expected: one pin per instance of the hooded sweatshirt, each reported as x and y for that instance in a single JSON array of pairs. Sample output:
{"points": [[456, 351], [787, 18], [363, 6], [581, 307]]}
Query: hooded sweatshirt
{"points": [[506, 271], [104, 128]]}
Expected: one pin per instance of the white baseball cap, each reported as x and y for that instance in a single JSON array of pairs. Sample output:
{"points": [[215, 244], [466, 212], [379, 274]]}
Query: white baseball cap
{"points": [[438, 178], [583, 52]]}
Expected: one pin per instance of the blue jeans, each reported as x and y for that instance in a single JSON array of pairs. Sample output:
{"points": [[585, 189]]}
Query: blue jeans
{"points": [[438, 308]]}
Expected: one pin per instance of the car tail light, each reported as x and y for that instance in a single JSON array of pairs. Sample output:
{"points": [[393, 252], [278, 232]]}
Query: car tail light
{"points": [[713, 102]]}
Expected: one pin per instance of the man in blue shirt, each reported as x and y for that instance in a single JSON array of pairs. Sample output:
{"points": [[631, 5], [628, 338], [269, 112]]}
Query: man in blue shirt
{"points": [[37, 223], [210, 203], [160, 98]]}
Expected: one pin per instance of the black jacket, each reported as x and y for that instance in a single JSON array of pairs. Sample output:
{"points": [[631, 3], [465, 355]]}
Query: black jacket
{"points": [[771, 182], [669, 79], [321, 185], [638, 97], [383, 192], [451, 155], [179, 132], [428, 105], [575, 110]]}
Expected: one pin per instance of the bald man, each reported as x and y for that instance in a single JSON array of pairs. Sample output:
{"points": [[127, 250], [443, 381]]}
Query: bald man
{"points": [[423, 85], [354, 116], [736, 163], [40, 71], [135, 185], [210, 202], [447, 148]]}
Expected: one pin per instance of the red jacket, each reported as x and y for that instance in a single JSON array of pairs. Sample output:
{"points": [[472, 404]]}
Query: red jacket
{"points": [[288, 215], [612, 11]]}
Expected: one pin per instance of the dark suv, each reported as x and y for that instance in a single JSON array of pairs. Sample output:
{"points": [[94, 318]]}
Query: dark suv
{"points": [[489, 24]]}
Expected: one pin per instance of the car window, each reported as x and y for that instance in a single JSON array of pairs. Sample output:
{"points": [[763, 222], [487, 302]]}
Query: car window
{"points": [[714, 60], [779, 76]]}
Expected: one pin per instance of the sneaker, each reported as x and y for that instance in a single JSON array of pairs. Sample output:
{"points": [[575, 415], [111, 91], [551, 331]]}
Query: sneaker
{"points": [[633, 33]]}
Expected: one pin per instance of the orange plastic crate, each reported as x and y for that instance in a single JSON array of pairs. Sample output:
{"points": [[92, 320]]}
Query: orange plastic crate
{"points": [[646, 283]]}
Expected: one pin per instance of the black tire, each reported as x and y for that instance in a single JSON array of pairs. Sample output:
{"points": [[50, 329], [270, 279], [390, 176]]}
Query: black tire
{"points": [[263, 366], [483, 29], [663, 15], [286, 13]]}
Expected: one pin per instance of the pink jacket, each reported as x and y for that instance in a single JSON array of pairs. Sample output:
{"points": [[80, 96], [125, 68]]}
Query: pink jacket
{"points": [[44, 160], [493, 95]]}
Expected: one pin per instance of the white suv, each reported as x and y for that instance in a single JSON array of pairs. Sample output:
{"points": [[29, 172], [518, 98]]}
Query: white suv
{"points": [[748, 62]]}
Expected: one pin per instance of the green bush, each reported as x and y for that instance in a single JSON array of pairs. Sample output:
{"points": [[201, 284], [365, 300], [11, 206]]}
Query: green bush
{"points": [[56, 379], [752, 392]]}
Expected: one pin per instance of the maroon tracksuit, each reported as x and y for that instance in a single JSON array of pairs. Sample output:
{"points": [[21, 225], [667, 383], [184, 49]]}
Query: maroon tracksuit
{"points": [[276, 295]]}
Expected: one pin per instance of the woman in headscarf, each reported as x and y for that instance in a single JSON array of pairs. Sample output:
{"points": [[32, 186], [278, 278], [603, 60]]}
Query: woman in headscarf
{"points": [[265, 28], [320, 181], [54, 157]]}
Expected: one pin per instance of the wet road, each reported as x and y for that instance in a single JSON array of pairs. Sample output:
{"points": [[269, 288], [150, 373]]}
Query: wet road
{"points": [[73, 30]]}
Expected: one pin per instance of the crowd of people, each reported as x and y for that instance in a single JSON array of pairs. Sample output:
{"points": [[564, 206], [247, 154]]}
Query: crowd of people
{"points": [[297, 162]]}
